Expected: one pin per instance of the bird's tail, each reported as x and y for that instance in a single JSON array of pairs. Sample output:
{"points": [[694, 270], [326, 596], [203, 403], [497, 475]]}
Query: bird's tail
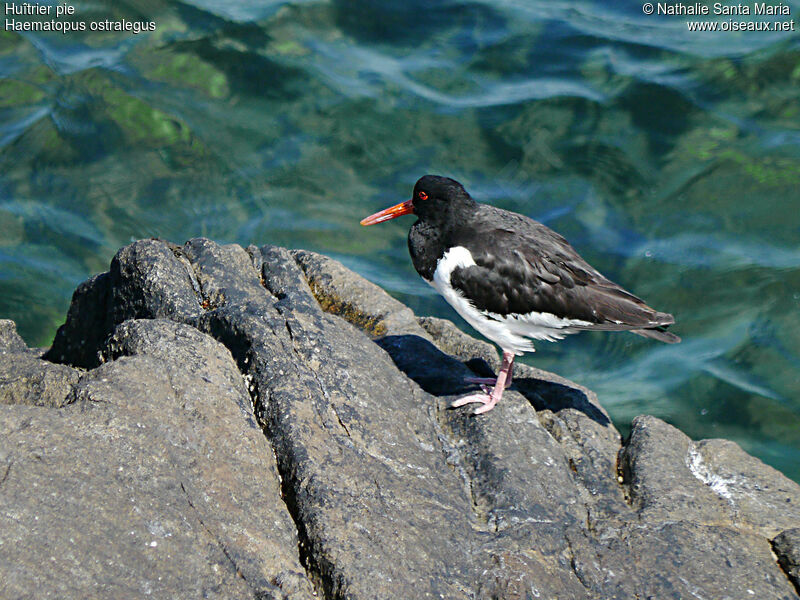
{"points": [[659, 333]]}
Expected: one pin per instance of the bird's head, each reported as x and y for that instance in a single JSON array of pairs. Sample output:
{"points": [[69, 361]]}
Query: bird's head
{"points": [[434, 199]]}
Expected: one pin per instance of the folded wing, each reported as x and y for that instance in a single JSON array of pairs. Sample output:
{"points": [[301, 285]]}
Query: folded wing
{"points": [[537, 271]]}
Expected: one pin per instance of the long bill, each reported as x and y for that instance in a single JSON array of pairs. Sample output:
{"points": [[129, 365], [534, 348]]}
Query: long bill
{"points": [[404, 208]]}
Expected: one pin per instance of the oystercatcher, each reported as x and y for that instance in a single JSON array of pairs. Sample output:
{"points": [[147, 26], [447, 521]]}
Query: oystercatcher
{"points": [[512, 278]]}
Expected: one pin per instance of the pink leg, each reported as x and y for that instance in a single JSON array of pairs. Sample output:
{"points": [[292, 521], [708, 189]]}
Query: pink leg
{"points": [[489, 400], [484, 381]]}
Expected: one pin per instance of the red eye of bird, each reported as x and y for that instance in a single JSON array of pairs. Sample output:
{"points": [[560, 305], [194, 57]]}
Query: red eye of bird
{"points": [[422, 196]]}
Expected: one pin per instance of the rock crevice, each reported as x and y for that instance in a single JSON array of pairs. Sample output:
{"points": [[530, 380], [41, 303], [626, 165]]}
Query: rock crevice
{"points": [[364, 484]]}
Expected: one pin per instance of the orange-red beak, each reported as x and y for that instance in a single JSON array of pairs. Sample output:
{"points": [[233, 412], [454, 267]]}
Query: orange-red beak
{"points": [[404, 208]]}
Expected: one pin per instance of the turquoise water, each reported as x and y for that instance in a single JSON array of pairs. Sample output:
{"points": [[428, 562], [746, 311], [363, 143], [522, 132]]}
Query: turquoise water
{"points": [[670, 159]]}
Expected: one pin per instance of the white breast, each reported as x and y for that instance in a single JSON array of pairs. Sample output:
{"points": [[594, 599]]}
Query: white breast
{"points": [[511, 332]]}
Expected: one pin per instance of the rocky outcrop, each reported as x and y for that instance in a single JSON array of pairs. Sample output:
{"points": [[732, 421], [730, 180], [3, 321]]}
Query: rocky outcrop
{"points": [[263, 423], [152, 480]]}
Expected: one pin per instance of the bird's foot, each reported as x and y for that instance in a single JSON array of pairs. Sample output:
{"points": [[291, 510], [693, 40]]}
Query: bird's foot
{"points": [[489, 398], [485, 381], [488, 401]]}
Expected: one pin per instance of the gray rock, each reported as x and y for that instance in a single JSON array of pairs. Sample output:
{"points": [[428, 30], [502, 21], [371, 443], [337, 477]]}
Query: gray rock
{"points": [[379, 512], [376, 488], [148, 279], [712, 481], [10, 342], [681, 559], [341, 292], [155, 481], [787, 548], [26, 379]]}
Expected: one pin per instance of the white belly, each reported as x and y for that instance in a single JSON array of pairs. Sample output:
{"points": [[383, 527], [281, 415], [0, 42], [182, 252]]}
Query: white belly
{"points": [[513, 333]]}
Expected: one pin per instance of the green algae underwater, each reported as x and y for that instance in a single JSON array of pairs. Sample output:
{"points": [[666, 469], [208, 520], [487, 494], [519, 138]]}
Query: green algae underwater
{"points": [[670, 159]]}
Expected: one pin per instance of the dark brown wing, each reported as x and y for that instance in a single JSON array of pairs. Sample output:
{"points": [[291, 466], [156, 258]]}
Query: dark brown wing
{"points": [[528, 267]]}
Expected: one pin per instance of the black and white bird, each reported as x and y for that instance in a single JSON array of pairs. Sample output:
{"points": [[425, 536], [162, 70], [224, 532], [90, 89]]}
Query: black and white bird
{"points": [[512, 278]]}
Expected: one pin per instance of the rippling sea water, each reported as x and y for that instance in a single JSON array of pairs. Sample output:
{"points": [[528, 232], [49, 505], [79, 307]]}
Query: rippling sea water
{"points": [[670, 159]]}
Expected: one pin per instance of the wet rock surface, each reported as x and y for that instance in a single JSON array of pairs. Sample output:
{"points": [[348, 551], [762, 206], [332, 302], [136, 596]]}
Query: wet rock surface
{"points": [[262, 423]]}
